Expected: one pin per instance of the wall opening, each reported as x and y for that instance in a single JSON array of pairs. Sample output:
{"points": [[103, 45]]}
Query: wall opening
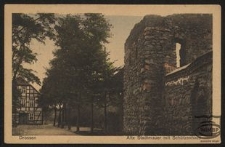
{"points": [[178, 48], [180, 53]]}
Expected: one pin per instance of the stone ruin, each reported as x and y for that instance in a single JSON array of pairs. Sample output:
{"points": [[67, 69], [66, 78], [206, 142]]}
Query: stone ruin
{"points": [[168, 75]]}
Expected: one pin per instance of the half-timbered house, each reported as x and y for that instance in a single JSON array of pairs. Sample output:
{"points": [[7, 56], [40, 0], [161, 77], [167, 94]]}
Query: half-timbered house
{"points": [[28, 111]]}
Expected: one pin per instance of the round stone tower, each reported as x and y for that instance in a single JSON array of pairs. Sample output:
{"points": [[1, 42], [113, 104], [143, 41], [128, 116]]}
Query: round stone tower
{"points": [[150, 54]]}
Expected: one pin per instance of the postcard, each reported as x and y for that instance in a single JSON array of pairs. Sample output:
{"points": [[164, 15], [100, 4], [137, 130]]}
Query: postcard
{"points": [[118, 74]]}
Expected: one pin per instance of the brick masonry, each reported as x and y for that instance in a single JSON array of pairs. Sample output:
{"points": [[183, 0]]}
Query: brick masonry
{"points": [[159, 97]]}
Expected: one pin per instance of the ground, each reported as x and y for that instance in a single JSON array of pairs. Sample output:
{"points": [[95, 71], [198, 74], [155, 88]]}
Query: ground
{"points": [[47, 130]]}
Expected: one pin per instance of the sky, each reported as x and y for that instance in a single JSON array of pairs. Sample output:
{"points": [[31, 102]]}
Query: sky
{"points": [[122, 17], [122, 26]]}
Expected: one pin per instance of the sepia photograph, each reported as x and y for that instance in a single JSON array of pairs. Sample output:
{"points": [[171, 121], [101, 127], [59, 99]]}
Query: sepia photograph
{"points": [[112, 74]]}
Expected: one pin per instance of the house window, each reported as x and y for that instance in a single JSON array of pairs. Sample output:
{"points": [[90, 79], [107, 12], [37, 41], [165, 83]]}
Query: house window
{"points": [[31, 116], [31, 103], [22, 102], [23, 90]]}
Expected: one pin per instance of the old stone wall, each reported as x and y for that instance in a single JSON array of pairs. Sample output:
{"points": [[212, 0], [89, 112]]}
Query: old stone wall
{"points": [[143, 81], [150, 54], [188, 93]]}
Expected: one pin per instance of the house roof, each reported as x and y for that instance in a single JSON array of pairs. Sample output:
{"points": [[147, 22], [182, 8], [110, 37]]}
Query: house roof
{"points": [[22, 82]]}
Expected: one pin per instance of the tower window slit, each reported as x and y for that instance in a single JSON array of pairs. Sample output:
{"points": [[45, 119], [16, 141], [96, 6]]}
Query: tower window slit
{"points": [[178, 58]]}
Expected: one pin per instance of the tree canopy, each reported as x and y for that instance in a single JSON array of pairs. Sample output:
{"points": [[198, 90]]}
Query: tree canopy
{"points": [[25, 28], [80, 63]]}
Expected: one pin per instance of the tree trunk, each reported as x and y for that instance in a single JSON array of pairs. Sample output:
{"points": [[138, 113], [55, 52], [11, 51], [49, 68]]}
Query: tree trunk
{"points": [[69, 118], [42, 117], [15, 72], [121, 112], [78, 113], [65, 114], [105, 113], [55, 111], [59, 118], [92, 115], [63, 117], [78, 117]]}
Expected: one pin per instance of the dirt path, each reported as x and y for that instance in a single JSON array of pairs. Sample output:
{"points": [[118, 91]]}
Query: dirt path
{"points": [[40, 130]]}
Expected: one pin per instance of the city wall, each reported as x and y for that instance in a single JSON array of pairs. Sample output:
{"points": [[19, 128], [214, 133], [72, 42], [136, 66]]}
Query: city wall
{"points": [[161, 96]]}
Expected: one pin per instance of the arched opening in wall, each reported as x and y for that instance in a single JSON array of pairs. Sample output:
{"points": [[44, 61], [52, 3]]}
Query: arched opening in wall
{"points": [[200, 109], [180, 52], [178, 47]]}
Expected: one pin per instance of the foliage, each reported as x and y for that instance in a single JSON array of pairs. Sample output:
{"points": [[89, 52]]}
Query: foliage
{"points": [[80, 63], [25, 28]]}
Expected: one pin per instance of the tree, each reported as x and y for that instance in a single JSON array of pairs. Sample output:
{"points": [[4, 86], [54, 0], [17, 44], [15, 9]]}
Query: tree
{"points": [[24, 29], [79, 63], [50, 95], [110, 92]]}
